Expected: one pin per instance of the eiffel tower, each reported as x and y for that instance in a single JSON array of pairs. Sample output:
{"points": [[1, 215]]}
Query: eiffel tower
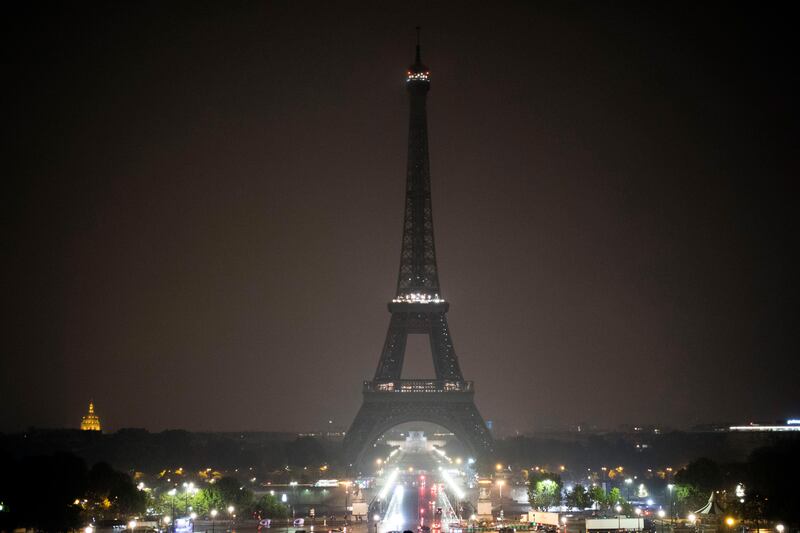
{"points": [[418, 308]]}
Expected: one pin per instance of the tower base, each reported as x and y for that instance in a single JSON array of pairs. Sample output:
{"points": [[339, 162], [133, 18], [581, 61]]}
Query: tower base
{"points": [[386, 405]]}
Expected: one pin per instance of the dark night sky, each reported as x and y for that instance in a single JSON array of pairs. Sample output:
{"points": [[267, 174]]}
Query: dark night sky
{"points": [[203, 207]]}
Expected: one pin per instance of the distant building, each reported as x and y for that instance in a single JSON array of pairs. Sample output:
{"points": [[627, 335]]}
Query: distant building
{"points": [[790, 425], [90, 421]]}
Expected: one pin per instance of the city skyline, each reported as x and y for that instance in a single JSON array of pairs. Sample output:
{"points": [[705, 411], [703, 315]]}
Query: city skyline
{"points": [[205, 222]]}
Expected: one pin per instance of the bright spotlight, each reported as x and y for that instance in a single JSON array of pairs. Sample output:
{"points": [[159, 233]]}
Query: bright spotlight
{"points": [[452, 484], [389, 483]]}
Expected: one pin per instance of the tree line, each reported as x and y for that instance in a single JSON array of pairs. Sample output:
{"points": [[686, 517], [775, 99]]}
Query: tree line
{"points": [[59, 492], [762, 488]]}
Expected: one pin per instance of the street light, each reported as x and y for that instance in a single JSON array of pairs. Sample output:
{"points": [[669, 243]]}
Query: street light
{"points": [[172, 492], [670, 487], [730, 521], [189, 489], [779, 528], [213, 519], [132, 525], [500, 483]]}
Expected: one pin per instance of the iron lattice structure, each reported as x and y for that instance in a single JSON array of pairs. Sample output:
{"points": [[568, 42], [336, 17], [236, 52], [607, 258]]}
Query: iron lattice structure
{"points": [[418, 308]]}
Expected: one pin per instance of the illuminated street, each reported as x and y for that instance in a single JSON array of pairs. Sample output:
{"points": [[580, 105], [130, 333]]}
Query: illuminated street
{"points": [[420, 487]]}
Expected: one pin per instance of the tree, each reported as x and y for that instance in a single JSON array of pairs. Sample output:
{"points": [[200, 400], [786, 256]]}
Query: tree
{"points": [[207, 499], [268, 506], [694, 483], [614, 497], [598, 496], [39, 492], [234, 493], [579, 498], [222, 494], [544, 490], [117, 489], [688, 498], [703, 474]]}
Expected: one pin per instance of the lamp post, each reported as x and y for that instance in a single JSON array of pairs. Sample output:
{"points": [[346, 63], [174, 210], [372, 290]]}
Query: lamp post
{"points": [[172, 493], [661, 514], [347, 498], [213, 519], [189, 489], [500, 483], [670, 488], [619, 516], [231, 516]]}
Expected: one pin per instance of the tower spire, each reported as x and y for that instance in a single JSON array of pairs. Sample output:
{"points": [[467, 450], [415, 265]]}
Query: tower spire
{"points": [[419, 276], [418, 58]]}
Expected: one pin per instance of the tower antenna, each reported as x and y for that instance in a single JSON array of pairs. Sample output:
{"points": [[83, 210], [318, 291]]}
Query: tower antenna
{"points": [[419, 60]]}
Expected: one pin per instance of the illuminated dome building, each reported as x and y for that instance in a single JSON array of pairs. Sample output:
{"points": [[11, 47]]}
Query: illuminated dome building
{"points": [[90, 422]]}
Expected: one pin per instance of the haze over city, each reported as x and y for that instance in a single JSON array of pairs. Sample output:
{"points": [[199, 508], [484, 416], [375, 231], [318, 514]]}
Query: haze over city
{"points": [[205, 209]]}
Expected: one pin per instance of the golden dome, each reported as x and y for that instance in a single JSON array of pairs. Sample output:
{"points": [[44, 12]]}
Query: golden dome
{"points": [[90, 422]]}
